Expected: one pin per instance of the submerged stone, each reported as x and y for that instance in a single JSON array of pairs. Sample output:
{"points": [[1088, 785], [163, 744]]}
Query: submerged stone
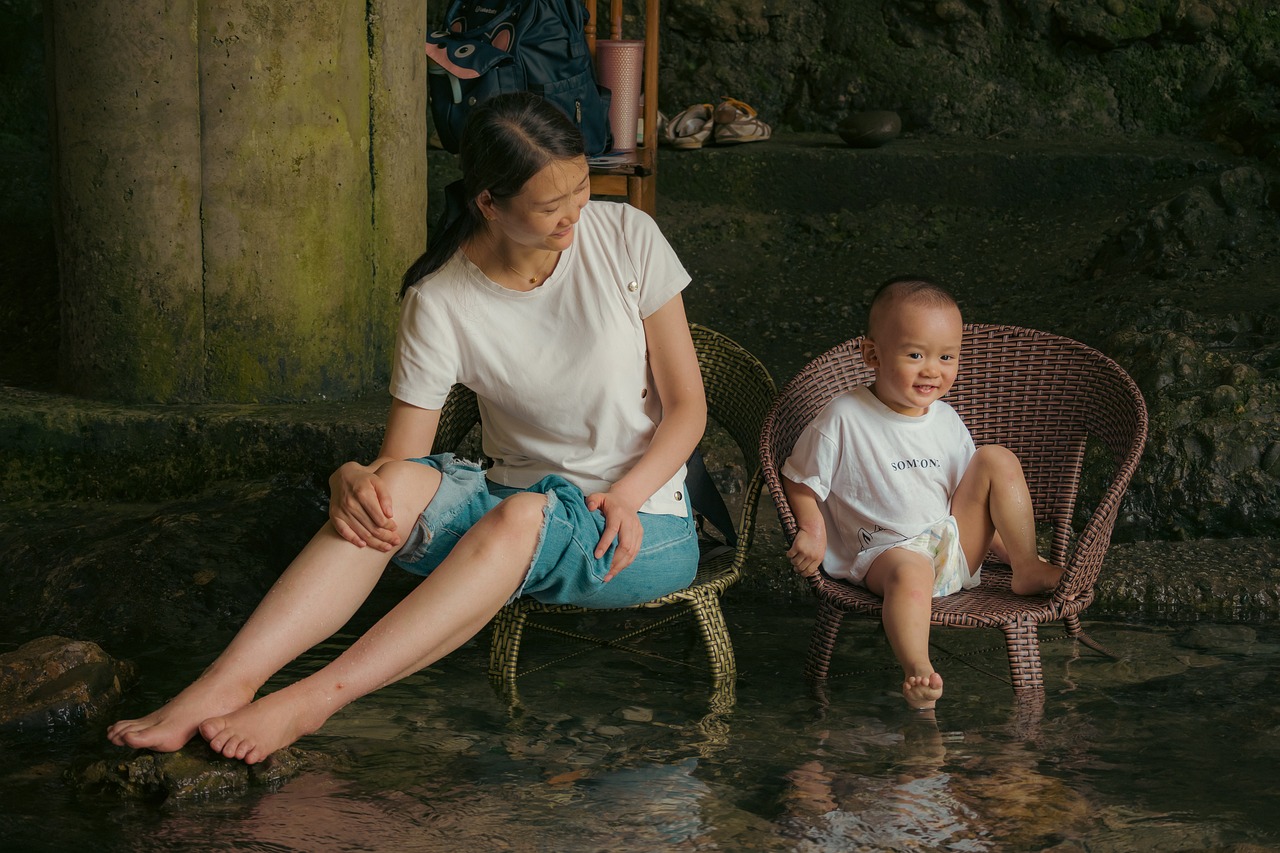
{"points": [[195, 771]]}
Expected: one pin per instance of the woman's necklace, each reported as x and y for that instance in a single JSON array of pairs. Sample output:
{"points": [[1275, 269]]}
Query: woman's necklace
{"points": [[533, 279], [496, 252]]}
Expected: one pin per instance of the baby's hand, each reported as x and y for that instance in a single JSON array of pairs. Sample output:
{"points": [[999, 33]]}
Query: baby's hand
{"points": [[807, 552]]}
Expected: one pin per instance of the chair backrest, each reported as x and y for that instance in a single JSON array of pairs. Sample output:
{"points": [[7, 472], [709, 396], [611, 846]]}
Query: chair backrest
{"points": [[1041, 395], [739, 390]]}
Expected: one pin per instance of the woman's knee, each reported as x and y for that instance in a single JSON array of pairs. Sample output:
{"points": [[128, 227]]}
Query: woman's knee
{"points": [[519, 514], [410, 484]]}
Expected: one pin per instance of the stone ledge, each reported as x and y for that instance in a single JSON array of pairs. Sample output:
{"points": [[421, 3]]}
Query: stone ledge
{"points": [[59, 447], [817, 173]]}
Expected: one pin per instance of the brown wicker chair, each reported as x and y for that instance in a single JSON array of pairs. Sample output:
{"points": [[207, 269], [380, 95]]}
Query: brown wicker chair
{"points": [[739, 391], [1051, 400]]}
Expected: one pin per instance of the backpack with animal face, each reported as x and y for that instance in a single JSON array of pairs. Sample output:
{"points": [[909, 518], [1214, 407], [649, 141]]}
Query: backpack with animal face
{"points": [[493, 46]]}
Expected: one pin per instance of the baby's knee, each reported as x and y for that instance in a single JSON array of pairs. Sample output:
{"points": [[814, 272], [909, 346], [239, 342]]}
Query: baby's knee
{"points": [[904, 573], [997, 459]]}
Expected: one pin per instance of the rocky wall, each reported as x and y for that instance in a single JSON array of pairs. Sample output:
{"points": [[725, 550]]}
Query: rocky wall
{"points": [[984, 68]]}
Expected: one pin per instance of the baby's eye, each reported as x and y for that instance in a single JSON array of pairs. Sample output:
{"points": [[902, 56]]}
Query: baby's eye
{"points": [[948, 358], [915, 355]]}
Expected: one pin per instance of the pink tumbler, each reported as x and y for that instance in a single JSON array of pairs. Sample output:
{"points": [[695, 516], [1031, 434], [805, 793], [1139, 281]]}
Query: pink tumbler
{"points": [[620, 64]]}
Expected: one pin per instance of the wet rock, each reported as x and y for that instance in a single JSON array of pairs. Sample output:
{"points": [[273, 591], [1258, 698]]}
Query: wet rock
{"points": [[1221, 639], [1243, 188], [636, 714], [1113, 23], [56, 682], [184, 573], [1190, 225], [870, 129], [1199, 18], [1219, 579], [194, 771], [1213, 391]]}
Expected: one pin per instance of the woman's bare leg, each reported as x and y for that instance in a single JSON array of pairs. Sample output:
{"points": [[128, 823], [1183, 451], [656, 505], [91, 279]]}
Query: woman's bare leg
{"points": [[314, 597], [444, 611], [904, 579], [993, 498]]}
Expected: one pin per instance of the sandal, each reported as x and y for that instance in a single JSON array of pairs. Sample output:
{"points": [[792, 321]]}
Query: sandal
{"points": [[737, 122], [689, 128]]}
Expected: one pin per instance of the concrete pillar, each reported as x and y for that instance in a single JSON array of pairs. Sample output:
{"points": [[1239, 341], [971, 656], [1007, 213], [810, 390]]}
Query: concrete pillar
{"points": [[238, 186]]}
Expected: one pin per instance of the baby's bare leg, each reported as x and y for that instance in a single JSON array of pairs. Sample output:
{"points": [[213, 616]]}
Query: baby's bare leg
{"points": [[314, 597], [444, 611], [993, 498], [904, 579]]}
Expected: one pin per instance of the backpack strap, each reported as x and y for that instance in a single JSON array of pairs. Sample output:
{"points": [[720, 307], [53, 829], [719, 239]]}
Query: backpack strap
{"points": [[705, 498]]}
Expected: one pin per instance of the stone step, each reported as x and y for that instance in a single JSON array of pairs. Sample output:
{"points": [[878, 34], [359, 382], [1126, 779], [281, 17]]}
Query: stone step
{"points": [[818, 173]]}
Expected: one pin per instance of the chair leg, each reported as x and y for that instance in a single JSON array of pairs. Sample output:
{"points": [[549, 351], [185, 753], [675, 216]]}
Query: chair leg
{"points": [[715, 636], [1023, 642], [1076, 631], [504, 648], [1027, 713], [823, 642]]}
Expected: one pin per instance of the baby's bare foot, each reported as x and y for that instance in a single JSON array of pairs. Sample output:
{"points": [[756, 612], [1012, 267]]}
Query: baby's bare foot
{"points": [[273, 722], [1039, 578], [168, 728], [922, 691]]}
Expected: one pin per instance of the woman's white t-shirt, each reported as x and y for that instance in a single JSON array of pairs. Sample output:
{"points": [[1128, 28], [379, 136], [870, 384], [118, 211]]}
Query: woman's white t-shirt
{"points": [[561, 372], [881, 477]]}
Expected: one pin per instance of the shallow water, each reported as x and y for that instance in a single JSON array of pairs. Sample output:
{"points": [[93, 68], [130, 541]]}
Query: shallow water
{"points": [[1173, 747]]}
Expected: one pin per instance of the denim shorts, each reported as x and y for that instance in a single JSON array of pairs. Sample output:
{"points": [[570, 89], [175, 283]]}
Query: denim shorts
{"points": [[564, 569]]}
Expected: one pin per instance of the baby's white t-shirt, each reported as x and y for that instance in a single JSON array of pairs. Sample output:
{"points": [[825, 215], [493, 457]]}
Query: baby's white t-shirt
{"points": [[881, 477]]}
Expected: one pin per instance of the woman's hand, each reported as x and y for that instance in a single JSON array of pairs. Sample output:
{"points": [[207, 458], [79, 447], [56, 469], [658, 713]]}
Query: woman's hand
{"points": [[621, 522], [807, 553], [360, 508]]}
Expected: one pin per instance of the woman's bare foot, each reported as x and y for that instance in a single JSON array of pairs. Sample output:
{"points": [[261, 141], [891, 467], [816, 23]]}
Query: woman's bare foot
{"points": [[168, 728], [1039, 578], [922, 691], [273, 722]]}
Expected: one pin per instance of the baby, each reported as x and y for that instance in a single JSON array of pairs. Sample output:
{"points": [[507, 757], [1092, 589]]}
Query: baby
{"points": [[889, 492]]}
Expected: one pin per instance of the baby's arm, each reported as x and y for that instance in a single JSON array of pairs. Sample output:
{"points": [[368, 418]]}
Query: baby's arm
{"points": [[810, 545]]}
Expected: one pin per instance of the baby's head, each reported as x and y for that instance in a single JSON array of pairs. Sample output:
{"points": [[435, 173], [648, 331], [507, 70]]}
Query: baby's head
{"points": [[913, 342]]}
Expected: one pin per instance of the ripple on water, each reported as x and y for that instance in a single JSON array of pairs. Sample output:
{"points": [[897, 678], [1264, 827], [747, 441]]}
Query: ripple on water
{"points": [[1173, 746]]}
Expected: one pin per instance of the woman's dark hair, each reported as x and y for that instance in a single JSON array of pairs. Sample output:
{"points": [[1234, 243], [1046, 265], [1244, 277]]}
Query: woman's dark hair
{"points": [[506, 141]]}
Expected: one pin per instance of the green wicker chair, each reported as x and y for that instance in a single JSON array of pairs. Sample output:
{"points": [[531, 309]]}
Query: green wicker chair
{"points": [[1044, 397], [739, 391]]}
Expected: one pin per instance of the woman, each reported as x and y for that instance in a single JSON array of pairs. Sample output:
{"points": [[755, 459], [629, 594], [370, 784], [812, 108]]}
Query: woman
{"points": [[565, 318]]}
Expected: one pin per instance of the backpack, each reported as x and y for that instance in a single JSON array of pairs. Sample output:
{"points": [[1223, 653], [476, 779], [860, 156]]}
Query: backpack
{"points": [[495, 46]]}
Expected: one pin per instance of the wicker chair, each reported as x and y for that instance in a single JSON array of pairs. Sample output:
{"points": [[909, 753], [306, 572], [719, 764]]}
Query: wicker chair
{"points": [[739, 391], [1051, 400]]}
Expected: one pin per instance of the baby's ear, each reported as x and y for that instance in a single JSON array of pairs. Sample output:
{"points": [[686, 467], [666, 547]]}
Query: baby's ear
{"points": [[869, 352]]}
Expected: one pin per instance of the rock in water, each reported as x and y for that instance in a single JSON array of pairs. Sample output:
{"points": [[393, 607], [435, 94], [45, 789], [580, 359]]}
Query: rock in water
{"points": [[53, 682]]}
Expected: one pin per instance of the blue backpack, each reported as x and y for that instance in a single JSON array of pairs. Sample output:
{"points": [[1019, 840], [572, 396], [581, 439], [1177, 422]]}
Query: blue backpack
{"points": [[493, 46]]}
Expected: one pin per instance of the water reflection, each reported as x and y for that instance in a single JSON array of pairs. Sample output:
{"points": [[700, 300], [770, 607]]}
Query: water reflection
{"points": [[1173, 747]]}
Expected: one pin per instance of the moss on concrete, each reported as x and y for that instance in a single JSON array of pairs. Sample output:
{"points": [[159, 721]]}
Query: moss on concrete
{"points": [[221, 234]]}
